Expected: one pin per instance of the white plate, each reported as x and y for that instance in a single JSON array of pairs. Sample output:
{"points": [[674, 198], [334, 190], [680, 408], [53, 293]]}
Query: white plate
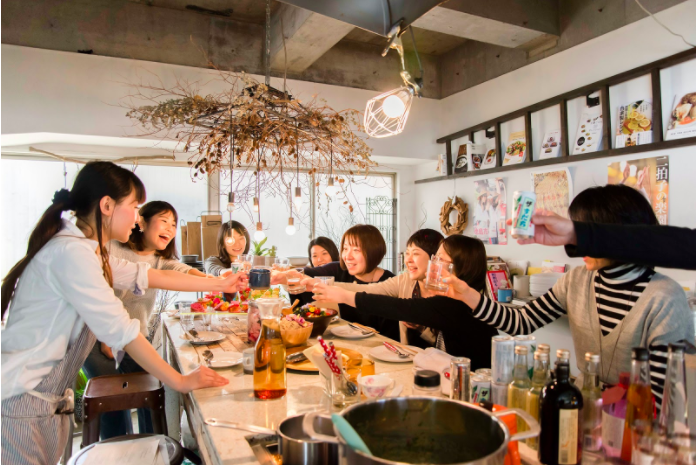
{"points": [[225, 359], [204, 337], [382, 353], [346, 332]]}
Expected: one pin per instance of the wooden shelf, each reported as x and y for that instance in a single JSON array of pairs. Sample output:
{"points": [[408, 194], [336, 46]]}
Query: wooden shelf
{"points": [[652, 69], [670, 144]]}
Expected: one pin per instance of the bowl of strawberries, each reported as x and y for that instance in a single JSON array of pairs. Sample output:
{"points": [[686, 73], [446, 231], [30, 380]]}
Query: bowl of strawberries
{"points": [[319, 317]]}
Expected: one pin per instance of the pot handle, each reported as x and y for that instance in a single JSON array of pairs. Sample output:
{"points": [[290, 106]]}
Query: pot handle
{"points": [[308, 428], [533, 426]]}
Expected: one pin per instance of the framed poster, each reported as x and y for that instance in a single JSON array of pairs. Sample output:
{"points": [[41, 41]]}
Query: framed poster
{"points": [[650, 176]]}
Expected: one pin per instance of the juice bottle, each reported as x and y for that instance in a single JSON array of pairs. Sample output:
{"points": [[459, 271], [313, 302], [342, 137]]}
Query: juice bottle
{"points": [[539, 378], [518, 388], [592, 404], [639, 399], [270, 380]]}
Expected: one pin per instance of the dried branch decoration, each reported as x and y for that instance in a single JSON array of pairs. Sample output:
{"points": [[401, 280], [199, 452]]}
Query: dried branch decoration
{"points": [[462, 209], [256, 121]]}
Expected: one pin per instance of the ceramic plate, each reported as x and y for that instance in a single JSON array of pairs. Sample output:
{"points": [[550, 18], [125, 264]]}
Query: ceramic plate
{"points": [[225, 359], [386, 355], [347, 332], [204, 337]]}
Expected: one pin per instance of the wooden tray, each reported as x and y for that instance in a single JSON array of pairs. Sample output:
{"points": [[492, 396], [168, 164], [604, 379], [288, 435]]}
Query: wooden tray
{"points": [[350, 357]]}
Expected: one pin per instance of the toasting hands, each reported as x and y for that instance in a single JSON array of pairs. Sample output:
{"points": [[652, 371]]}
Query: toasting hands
{"points": [[324, 293], [550, 229], [234, 282]]}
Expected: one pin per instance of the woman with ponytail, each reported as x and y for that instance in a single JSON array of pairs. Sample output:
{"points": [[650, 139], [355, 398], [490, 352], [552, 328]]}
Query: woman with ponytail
{"points": [[59, 299]]}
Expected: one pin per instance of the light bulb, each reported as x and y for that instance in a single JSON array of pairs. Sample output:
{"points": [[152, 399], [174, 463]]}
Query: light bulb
{"points": [[259, 235], [331, 190], [229, 240], [256, 204], [230, 202], [393, 106], [297, 200], [290, 229]]}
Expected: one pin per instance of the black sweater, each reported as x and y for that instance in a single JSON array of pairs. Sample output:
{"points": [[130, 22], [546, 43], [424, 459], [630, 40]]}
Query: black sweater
{"points": [[666, 246], [388, 328], [464, 335]]}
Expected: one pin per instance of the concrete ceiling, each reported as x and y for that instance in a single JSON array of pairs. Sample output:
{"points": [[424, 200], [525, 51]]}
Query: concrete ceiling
{"points": [[461, 42]]}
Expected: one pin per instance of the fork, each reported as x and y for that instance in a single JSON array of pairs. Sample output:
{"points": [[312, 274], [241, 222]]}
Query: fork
{"points": [[362, 330], [395, 350]]}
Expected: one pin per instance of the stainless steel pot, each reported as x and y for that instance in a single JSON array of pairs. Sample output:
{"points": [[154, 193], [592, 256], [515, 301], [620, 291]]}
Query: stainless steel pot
{"points": [[296, 447], [424, 430]]}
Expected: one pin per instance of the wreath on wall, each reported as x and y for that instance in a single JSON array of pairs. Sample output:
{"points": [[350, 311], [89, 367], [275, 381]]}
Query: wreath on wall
{"points": [[462, 209]]}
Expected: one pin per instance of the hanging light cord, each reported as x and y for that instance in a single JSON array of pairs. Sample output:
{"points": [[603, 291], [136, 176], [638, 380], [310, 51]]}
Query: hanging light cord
{"points": [[420, 65], [661, 24], [268, 43], [231, 170], [258, 174]]}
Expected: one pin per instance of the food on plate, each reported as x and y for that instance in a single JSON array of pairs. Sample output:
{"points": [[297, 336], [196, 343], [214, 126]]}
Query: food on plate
{"points": [[265, 293], [516, 148], [293, 321], [310, 311]]}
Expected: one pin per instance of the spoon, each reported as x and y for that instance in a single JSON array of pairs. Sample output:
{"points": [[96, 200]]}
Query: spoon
{"points": [[207, 356]]}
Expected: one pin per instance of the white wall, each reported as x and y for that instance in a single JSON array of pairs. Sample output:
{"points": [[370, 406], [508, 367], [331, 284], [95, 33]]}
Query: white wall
{"points": [[592, 61]]}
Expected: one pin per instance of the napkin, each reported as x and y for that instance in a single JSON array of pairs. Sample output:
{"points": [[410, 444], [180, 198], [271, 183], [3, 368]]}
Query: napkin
{"points": [[316, 355], [436, 360]]}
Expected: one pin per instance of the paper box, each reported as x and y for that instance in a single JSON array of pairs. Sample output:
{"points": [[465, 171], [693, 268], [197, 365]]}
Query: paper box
{"points": [[193, 238]]}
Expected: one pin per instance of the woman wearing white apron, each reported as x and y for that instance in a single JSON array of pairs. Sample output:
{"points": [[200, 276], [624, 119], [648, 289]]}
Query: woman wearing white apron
{"points": [[60, 300]]}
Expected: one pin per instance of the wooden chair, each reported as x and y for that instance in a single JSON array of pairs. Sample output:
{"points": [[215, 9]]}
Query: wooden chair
{"points": [[122, 392]]}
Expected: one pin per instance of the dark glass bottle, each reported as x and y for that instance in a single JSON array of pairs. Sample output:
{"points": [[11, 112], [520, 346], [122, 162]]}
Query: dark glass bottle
{"points": [[560, 441]]}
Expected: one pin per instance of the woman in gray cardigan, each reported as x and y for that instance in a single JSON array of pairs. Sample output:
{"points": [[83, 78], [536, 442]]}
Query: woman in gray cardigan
{"points": [[611, 306], [232, 241]]}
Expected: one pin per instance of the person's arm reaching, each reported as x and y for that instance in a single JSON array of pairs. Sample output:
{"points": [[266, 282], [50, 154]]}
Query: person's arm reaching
{"points": [[511, 320], [666, 246], [175, 281]]}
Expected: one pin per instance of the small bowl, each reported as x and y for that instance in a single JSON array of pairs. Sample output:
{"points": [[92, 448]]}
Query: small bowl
{"points": [[295, 337], [298, 261], [320, 323]]}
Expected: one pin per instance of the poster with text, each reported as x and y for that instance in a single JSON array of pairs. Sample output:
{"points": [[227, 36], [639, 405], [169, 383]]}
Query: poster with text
{"points": [[650, 176], [554, 191], [490, 212]]}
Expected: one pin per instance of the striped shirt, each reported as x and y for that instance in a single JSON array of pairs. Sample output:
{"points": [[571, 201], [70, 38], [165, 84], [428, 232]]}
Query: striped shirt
{"points": [[616, 292]]}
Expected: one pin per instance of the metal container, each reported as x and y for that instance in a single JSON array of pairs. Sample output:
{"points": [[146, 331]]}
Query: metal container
{"points": [[296, 447], [460, 374], [400, 430], [480, 388], [502, 359]]}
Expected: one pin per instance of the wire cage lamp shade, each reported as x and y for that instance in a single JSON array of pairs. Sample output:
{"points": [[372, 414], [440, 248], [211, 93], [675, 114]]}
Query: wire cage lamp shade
{"points": [[386, 114]]}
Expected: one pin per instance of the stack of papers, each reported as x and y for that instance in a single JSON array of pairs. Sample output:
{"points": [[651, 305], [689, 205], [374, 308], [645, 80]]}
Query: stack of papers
{"points": [[146, 451]]}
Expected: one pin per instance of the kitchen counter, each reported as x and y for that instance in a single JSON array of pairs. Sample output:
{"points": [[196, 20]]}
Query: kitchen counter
{"points": [[236, 402]]}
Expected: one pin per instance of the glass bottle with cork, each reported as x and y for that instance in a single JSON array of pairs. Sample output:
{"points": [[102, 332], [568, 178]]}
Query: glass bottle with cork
{"points": [[270, 380], [518, 388], [592, 404], [560, 441], [540, 377], [639, 408]]}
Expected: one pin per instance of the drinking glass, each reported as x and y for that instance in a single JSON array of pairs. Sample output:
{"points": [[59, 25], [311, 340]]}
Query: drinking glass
{"points": [[281, 264], [328, 280], [207, 320], [246, 260], [341, 393], [438, 270], [186, 320], [295, 278]]}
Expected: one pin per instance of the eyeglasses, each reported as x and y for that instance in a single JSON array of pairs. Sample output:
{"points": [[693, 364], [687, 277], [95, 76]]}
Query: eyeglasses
{"points": [[437, 258]]}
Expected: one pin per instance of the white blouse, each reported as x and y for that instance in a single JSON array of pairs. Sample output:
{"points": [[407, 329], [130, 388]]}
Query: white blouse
{"points": [[62, 289]]}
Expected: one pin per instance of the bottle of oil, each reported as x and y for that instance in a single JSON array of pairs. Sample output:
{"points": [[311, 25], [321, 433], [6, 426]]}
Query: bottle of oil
{"points": [[270, 380], [639, 408], [560, 441], [592, 404], [518, 388], [540, 376]]}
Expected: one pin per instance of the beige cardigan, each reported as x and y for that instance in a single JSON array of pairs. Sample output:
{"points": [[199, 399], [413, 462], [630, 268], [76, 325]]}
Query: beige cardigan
{"points": [[400, 286]]}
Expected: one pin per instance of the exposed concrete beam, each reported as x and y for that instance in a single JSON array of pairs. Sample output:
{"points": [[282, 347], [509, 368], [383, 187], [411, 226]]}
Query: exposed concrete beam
{"points": [[308, 36], [507, 23]]}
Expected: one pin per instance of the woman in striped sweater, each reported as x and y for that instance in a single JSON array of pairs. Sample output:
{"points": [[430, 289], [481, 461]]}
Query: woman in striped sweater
{"points": [[611, 306]]}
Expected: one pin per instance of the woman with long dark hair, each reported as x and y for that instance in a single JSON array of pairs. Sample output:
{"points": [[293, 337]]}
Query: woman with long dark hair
{"points": [[152, 241], [59, 300], [459, 333], [612, 306], [232, 241], [322, 251]]}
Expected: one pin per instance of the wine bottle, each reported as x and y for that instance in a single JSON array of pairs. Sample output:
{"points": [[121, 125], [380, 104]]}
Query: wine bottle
{"points": [[592, 404], [673, 417], [560, 441]]}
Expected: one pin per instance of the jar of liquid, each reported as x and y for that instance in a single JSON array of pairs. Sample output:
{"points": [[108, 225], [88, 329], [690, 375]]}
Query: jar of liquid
{"points": [[426, 383], [270, 379]]}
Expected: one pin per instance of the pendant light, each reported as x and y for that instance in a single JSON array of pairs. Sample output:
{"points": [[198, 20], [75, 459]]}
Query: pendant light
{"points": [[231, 206], [297, 200], [290, 229], [331, 189], [386, 114], [259, 235]]}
